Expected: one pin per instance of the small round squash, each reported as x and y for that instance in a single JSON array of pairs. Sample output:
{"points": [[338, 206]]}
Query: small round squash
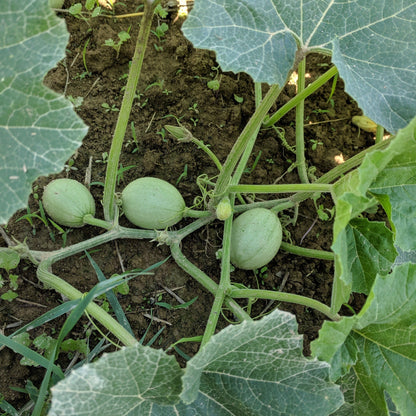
{"points": [[152, 203], [255, 238], [67, 202]]}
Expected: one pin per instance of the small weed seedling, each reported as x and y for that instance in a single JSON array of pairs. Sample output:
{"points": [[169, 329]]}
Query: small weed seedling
{"points": [[107, 107], [123, 37]]}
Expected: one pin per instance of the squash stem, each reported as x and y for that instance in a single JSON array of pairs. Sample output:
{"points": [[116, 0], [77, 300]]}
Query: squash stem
{"points": [[91, 220], [307, 252], [124, 114], [249, 130], [51, 280], [205, 281], [300, 140], [285, 297], [282, 189], [225, 281], [310, 89]]}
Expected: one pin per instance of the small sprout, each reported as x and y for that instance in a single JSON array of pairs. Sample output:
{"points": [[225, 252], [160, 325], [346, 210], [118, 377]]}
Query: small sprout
{"points": [[239, 99], [183, 175], [123, 36], [9, 295], [315, 143], [9, 259], [108, 108], [160, 31], [213, 85]]}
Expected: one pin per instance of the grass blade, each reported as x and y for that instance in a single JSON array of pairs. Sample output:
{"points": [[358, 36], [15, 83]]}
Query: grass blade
{"points": [[112, 298]]}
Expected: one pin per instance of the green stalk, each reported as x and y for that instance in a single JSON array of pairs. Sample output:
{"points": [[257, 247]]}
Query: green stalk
{"points": [[55, 282], [341, 169], [241, 143], [225, 282], [310, 89], [285, 297], [282, 189], [185, 136], [307, 252], [91, 220], [194, 213], [205, 281], [124, 114], [379, 133], [300, 139], [250, 144]]}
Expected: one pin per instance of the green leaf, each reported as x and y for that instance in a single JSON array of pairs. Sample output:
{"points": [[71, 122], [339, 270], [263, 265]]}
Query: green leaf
{"points": [[125, 382], [380, 348], [9, 259], [255, 368], [39, 130], [390, 176], [365, 249], [261, 37]]}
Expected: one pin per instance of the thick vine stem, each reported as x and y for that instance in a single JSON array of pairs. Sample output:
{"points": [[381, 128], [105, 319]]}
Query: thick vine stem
{"points": [[205, 281], [225, 282], [307, 252], [300, 140], [285, 297], [124, 114], [250, 129], [310, 89], [51, 280]]}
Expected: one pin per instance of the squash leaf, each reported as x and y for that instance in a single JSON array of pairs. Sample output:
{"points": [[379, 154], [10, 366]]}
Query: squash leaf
{"points": [[373, 45], [39, 130]]}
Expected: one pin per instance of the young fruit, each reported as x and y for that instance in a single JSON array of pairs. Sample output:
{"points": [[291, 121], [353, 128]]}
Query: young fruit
{"points": [[255, 238], [67, 202], [224, 209], [152, 203]]}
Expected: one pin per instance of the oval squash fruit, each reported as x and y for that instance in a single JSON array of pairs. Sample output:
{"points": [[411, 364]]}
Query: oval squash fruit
{"points": [[255, 238], [67, 202], [152, 203]]}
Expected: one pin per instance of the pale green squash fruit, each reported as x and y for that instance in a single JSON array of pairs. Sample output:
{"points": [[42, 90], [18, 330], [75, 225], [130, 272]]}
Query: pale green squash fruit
{"points": [[255, 238], [67, 202], [152, 203]]}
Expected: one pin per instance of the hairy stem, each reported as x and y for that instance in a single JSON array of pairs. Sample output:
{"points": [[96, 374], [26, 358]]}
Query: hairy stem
{"points": [[281, 189], [241, 143], [225, 282], [285, 297], [310, 89], [307, 252], [124, 114], [205, 281], [300, 140]]}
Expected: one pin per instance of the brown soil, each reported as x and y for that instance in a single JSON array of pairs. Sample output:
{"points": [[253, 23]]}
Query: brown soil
{"points": [[216, 118]]}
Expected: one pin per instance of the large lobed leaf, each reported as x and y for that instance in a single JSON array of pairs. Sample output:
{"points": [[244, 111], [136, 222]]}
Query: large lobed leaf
{"points": [[39, 130], [375, 351], [373, 45], [388, 176], [255, 368]]}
